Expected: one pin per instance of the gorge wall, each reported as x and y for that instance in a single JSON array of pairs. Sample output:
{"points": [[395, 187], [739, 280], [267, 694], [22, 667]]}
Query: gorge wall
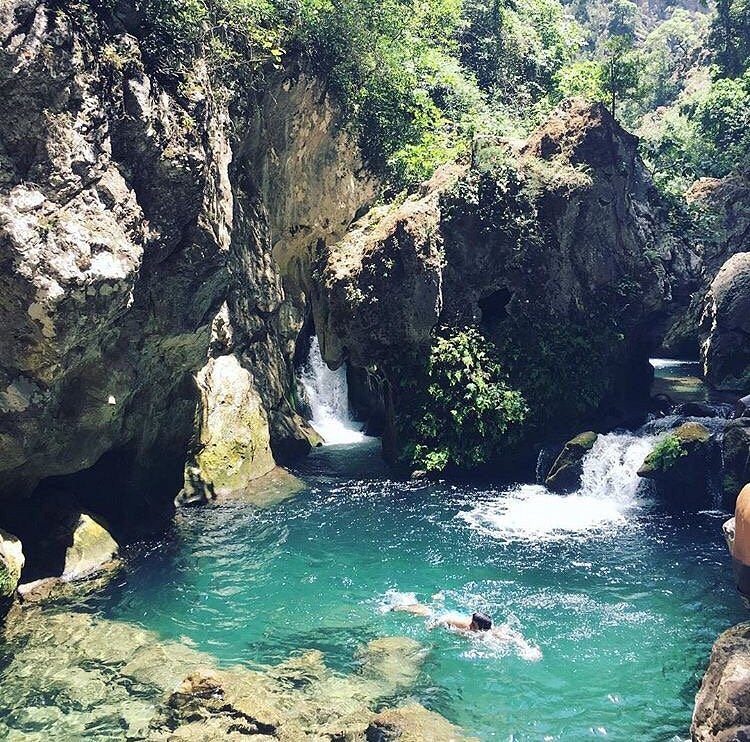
{"points": [[152, 231], [558, 248]]}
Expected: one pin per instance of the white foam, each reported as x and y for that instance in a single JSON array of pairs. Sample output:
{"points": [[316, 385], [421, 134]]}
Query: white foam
{"points": [[394, 598], [328, 396], [608, 492]]}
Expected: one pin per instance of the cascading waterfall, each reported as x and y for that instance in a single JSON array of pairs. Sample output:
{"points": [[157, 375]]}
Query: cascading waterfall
{"points": [[609, 488], [328, 397]]}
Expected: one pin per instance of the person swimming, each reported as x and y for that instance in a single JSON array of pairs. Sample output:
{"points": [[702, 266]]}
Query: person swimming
{"points": [[476, 622]]}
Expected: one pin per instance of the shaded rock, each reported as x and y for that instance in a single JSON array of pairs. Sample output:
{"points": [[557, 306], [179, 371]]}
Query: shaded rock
{"points": [[695, 409], [735, 449], [726, 320], [92, 550], [565, 473], [681, 463], [722, 706], [11, 564], [412, 723]]}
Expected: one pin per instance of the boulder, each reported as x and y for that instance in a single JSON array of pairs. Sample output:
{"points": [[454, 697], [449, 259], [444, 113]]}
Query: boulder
{"points": [[681, 463], [234, 445], [735, 452], [11, 564], [722, 706], [695, 409], [92, 550], [565, 473]]}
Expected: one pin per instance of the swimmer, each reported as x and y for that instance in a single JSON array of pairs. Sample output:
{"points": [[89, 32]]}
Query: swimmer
{"points": [[416, 609], [477, 622]]}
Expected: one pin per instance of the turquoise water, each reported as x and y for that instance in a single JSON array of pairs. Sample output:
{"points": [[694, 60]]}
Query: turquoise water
{"points": [[621, 598]]}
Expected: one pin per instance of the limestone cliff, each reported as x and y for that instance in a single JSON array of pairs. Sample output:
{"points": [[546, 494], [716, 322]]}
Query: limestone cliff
{"points": [[151, 228], [555, 247]]}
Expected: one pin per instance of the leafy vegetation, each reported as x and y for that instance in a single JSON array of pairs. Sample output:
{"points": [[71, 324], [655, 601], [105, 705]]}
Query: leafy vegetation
{"points": [[464, 409], [666, 452]]}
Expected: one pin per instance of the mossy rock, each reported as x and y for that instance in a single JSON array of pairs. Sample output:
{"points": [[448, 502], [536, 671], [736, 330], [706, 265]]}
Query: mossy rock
{"points": [[680, 464], [93, 550], [565, 473], [234, 439], [11, 564]]}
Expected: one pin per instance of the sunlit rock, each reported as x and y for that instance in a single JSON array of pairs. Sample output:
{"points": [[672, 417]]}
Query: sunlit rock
{"points": [[93, 550], [722, 706], [11, 564]]}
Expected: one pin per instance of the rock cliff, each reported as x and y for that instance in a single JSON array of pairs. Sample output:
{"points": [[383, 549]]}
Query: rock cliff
{"points": [[151, 231], [555, 247]]}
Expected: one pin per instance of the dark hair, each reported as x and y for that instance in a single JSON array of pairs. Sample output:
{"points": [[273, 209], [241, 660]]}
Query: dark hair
{"points": [[482, 621]]}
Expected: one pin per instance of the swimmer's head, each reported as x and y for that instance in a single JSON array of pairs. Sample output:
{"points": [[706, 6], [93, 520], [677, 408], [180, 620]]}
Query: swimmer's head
{"points": [[480, 622]]}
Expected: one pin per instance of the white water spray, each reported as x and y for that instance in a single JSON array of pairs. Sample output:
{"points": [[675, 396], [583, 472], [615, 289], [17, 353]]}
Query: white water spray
{"points": [[328, 396], [608, 491]]}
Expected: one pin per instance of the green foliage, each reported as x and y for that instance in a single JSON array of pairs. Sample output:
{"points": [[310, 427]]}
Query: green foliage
{"points": [[666, 452], [465, 409], [730, 37]]}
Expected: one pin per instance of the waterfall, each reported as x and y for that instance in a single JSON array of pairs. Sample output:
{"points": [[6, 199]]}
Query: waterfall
{"points": [[328, 397], [608, 492]]}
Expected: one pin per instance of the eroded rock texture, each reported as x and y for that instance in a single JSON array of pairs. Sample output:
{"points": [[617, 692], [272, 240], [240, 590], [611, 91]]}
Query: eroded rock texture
{"points": [[722, 708], [149, 230], [555, 248]]}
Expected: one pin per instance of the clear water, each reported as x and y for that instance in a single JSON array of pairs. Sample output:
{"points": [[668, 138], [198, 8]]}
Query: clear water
{"points": [[621, 598]]}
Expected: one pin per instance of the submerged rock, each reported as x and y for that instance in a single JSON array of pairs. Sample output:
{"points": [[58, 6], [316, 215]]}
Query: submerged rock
{"points": [[66, 674], [681, 463], [411, 723], [565, 473], [722, 706], [11, 564]]}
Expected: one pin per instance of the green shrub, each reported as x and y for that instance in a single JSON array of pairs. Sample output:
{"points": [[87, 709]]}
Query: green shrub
{"points": [[465, 409]]}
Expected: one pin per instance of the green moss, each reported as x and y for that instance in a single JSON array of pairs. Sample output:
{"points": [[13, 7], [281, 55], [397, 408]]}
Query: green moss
{"points": [[666, 452]]}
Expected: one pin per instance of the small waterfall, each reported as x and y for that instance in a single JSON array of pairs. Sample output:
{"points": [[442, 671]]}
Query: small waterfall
{"points": [[328, 396], [609, 490]]}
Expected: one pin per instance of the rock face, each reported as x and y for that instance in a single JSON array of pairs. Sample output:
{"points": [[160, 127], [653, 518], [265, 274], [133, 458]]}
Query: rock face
{"points": [[149, 236], [726, 351], [554, 250], [681, 463], [565, 474], [722, 710]]}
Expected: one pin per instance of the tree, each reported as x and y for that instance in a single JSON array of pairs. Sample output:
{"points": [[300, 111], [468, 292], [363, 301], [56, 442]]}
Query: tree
{"points": [[730, 36], [621, 67]]}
